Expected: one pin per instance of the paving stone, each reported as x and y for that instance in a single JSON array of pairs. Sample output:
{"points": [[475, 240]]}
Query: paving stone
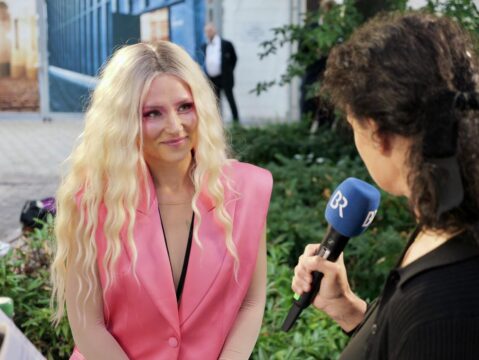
{"points": [[31, 154]]}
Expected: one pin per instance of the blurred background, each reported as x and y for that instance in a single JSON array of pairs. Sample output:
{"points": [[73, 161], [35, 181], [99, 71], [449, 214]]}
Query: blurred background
{"points": [[51, 50], [50, 55]]}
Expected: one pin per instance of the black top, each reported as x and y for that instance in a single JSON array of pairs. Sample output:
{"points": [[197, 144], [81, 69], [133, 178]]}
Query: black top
{"points": [[428, 309], [181, 283]]}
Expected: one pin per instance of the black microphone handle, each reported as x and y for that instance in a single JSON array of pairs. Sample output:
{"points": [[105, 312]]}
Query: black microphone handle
{"points": [[331, 247]]}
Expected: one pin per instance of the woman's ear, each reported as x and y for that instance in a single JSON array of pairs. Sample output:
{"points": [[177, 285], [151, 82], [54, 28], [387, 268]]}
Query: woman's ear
{"points": [[381, 141]]}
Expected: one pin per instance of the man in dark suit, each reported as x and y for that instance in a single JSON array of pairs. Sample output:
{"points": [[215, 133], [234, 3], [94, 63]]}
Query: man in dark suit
{"points": [[220, 61]]}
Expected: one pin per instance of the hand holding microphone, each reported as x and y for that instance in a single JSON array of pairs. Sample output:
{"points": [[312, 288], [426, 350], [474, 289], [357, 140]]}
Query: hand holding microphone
{"points": [[349, 212], [335, 296]]}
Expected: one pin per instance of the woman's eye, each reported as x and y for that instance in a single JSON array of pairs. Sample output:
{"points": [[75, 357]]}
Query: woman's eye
{"points": [[151, 114], [185, 107]]}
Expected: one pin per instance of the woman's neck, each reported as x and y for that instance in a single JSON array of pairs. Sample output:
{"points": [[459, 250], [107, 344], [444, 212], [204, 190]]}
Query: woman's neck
{"points": [[426, 241], [173, 182]]}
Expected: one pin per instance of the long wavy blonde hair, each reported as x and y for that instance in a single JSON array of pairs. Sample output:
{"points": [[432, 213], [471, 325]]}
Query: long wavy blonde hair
{"points": [[107, 167]]}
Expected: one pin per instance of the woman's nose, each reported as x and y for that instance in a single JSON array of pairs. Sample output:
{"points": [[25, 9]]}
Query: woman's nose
{"points": [[174, 123]]}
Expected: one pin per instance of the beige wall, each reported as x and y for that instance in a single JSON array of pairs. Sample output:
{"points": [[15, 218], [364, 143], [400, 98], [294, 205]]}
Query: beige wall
{"points": [[19, 39]]}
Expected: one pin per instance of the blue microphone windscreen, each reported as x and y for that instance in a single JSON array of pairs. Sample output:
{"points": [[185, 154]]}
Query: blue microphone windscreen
{"points": [[352, 207]]}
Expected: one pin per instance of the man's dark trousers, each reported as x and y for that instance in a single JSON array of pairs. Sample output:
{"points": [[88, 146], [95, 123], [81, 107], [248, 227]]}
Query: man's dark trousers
{"points": [[217, 82]]}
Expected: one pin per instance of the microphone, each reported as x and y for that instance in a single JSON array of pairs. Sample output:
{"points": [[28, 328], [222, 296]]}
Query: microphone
{"points": [[349, 212]]}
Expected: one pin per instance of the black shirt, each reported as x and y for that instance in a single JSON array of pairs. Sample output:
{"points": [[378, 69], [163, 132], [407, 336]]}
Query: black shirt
{"points": [[428, 309], [186, 259]]}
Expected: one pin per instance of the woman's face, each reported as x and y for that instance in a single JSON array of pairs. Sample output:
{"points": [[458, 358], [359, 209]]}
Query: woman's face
{"points": [[384, 156], [169, 121]]}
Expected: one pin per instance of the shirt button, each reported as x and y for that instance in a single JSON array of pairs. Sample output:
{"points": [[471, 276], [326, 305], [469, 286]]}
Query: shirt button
{"points": [[374, 328], [173, 342]]}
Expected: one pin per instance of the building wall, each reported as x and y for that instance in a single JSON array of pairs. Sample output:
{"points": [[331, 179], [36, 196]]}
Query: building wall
{"points": [[82, 34], [247, 23], [19, 60]]}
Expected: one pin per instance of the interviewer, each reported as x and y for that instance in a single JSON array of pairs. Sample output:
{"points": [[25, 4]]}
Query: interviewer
{"points": [[407, 84]]}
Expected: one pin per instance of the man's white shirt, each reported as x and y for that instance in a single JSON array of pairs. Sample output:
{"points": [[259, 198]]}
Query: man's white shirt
{"points": [[213, 57]]}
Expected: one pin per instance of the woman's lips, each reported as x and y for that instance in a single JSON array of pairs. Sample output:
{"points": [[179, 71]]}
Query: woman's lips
{"points": [[175, 142]]}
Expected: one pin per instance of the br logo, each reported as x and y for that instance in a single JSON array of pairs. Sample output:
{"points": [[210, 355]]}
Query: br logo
{"points": [[369, 218], [339, 201]]}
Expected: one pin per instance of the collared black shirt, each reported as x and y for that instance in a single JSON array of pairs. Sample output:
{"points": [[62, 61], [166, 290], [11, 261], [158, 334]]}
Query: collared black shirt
{"points": [[428, 309]]}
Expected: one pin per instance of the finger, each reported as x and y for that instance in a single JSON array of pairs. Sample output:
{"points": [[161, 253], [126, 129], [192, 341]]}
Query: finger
{"points": [[315, 263], [299, 286], [296, 286], [340, 259], [311, 249], [301, 272]]}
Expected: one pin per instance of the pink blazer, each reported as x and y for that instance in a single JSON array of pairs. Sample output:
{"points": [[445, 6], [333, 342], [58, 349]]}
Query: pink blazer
{"points": [[144, 316]]}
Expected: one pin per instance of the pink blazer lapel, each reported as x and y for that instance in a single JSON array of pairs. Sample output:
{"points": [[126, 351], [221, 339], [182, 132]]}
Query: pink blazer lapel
{"points": [[206, 262], [153, 268]]}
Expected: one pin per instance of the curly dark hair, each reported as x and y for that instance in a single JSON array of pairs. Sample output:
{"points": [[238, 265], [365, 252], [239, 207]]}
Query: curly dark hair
{"points": [[416, 75]]}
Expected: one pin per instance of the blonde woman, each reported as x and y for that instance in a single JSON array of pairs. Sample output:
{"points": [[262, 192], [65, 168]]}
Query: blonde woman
{"points": [[161, 238]]}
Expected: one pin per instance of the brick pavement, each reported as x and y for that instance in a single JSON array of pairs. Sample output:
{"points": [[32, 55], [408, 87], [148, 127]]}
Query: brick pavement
{"points": [[31, 153]]}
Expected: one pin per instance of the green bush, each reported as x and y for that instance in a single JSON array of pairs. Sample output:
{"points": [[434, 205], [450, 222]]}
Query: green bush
{"points": [[265, 144], [24, 277]]}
